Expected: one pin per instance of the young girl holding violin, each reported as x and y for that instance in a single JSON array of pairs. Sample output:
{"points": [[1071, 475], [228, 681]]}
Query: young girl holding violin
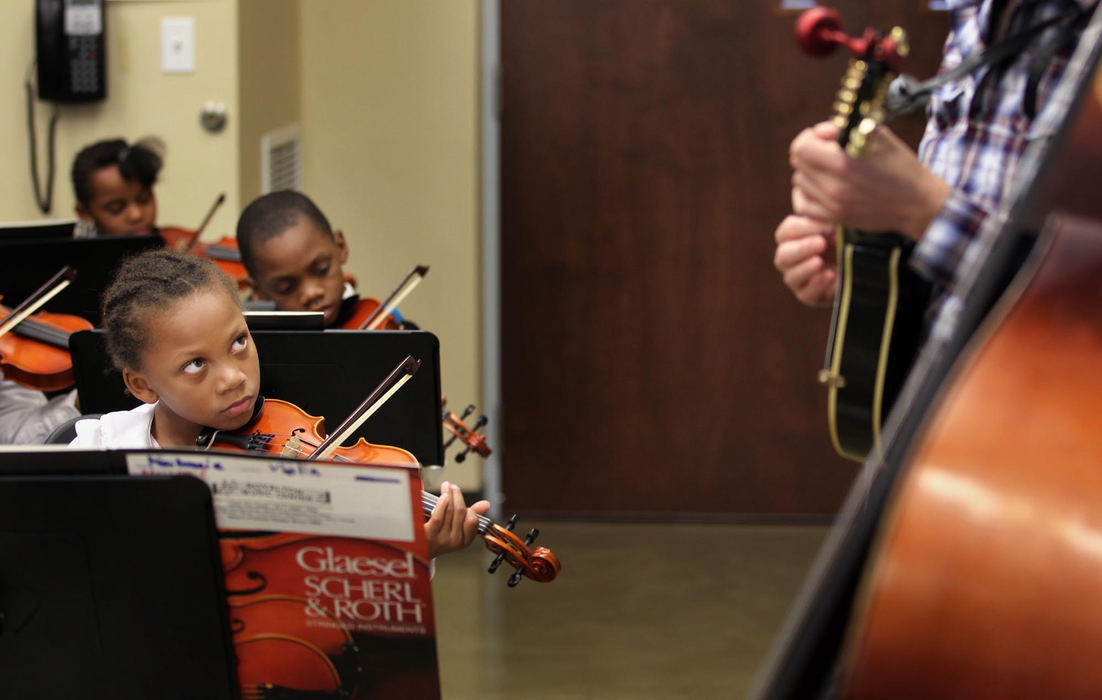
{"points": [[175, 330], [113, 183], [295, 258]]}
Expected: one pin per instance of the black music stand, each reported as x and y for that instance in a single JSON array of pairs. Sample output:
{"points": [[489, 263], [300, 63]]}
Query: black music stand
{"points": [[326, 373], [37, 230], [26, 264], [273, 320], [110, 586]]}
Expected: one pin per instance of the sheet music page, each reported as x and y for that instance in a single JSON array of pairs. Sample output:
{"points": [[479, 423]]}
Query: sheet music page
{"points": [[294, 495]]}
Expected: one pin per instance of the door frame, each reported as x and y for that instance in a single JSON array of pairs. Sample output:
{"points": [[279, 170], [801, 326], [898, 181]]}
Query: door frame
{"points": [[490, 186]]}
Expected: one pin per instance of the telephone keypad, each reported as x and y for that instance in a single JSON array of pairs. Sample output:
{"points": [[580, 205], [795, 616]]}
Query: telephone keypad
{"points": [[83, 64]]}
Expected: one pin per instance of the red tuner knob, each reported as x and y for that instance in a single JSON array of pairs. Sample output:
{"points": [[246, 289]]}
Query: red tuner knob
{"points": [[819, 30]]}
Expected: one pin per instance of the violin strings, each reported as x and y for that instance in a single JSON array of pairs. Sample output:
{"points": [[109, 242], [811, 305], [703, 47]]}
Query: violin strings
{"points": [[274, 440], [36, 330], [428, 504]]}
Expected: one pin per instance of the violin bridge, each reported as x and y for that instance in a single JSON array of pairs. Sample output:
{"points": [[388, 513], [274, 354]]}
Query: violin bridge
{"points": [[293, 448]]}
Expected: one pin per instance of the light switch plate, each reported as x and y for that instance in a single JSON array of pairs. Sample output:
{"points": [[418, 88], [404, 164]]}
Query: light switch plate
{"points": [[177, 44]]}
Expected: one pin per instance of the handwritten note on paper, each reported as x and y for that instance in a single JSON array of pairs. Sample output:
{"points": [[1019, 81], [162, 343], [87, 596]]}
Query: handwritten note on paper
{"points": [[294, 496]]}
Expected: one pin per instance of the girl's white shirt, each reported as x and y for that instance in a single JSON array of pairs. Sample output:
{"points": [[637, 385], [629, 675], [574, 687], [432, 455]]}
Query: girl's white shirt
{"points": [[118, 430]]}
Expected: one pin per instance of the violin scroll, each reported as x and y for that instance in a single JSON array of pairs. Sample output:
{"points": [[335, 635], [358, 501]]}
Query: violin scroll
{"points": [[469, 436], [539, 564]]}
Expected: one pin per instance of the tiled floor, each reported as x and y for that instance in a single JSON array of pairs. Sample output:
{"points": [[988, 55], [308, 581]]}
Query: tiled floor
{"points": [[639, 611]]}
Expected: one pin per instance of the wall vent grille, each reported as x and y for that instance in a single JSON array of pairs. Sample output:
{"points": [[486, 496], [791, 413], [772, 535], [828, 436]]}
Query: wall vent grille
{"points": [[281, 160]]}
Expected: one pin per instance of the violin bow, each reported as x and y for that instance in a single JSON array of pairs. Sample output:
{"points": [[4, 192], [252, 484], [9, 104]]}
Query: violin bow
{"points": [[382, 393], [206, 220], [54, 286], [407, 285]]}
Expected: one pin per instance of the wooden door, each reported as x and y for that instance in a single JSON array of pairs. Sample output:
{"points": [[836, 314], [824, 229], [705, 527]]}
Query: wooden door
{"points": [[654, 365]]}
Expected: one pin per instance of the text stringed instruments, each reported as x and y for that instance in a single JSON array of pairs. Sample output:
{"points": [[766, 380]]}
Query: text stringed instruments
{"points": [[877, 321], [34, 349], [284, 429]]}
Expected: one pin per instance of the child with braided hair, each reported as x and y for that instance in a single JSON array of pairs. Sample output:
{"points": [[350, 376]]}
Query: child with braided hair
{"points": [[113, 183], [176, 332]]}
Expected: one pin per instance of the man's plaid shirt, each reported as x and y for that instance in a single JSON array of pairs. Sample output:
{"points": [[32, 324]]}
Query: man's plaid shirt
{"points": [[977, 128]]}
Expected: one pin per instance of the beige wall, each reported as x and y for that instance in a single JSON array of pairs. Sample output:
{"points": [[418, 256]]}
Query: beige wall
{"points": [[390, 118], [140, 101], [270, 95]]}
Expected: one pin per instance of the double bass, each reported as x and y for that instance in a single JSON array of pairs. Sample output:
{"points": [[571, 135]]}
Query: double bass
{"points": [[966, 563]]}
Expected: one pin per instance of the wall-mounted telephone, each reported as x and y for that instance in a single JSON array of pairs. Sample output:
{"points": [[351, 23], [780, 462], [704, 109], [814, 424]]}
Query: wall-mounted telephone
{"points": [[70, 44]]}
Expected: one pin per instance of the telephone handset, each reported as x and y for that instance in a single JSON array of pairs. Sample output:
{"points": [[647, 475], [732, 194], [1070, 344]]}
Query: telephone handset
{"points": [[71, 50]]}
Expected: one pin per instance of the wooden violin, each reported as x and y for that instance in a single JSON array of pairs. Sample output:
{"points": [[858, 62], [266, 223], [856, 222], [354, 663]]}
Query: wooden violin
{"points": [[34, 349], [224, 254], [373, 315], [282, 428], [469, 436], [294, 656], [296, 631]]}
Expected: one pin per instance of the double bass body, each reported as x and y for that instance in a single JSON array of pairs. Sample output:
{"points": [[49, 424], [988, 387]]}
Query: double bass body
{"points": [[987, 578]]}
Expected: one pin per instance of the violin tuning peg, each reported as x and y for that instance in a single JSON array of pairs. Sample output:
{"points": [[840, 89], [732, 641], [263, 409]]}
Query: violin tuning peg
{"points": [[482, 420], [531, 536], [462, 455], [512, 522], [515, 578], [467, 411], [449, 441], [496, 562]]}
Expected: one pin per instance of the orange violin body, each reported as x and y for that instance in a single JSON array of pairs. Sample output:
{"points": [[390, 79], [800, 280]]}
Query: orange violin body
{"points": [[252, 617], [36, 353], [278, 649], [224, 254], [284, 429], [365, 309], [277, 665]]}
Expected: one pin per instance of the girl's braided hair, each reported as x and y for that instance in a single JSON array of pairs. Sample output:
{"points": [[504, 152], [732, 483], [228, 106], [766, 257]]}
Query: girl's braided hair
{"points": [[151, 281], [140, 162]]}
